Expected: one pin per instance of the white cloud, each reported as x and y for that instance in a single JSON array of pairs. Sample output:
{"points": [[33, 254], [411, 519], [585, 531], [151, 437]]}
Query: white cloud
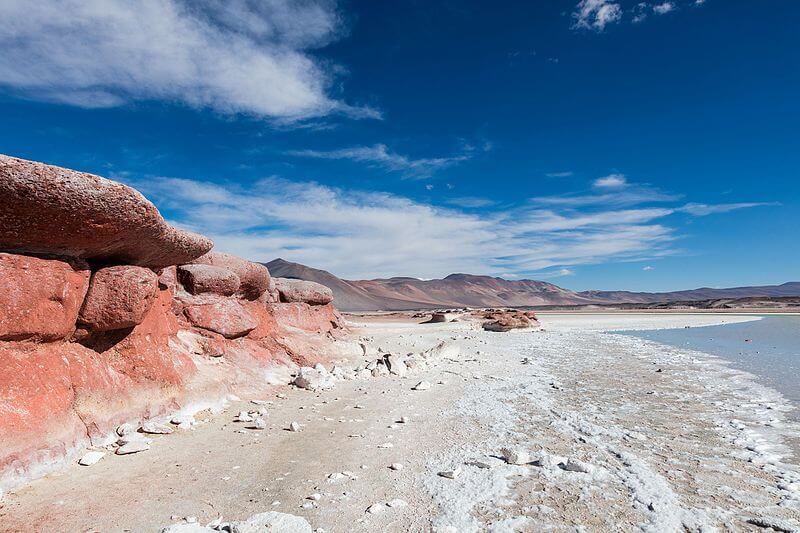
{"points": [[380, 155], [596, 14], [663, 8], [359, 234], [612, 181], [563, 174], [700, 210], [648, 268], [239, 56]]}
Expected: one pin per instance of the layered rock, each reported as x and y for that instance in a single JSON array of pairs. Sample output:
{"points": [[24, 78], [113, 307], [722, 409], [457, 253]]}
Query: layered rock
{"points": [[40, 297], [119, 326], [309, 292], [52, 210]]}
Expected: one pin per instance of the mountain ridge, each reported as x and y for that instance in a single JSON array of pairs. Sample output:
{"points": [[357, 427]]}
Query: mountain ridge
{"points": [[471, 290]]}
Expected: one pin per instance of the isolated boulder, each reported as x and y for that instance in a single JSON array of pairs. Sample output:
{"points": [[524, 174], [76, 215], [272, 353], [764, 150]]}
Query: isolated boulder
{"points": [[508, 320], [314, 379], [198, 279], [254, 277], [119, 297], [40, 297], [297, 290], [53, 210], [226, 316]]}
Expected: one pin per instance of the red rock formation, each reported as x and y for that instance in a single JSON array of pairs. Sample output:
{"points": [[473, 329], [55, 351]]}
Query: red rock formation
{"points": [[119, 297], [139, 346], [225, 316], [507, 319], [40, 297], [198, 279], [47, 209], [254, 277], [296, 290]]}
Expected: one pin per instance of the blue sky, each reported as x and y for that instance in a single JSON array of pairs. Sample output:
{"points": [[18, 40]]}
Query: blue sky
{"points": [[595, 144]]}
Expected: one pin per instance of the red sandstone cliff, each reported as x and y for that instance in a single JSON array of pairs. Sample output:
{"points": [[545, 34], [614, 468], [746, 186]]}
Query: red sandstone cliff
{"points": [[109, 314]]}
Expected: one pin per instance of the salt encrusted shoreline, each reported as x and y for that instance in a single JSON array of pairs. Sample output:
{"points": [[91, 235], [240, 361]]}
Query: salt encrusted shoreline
{"points": [[620, 456], [614, 444]]}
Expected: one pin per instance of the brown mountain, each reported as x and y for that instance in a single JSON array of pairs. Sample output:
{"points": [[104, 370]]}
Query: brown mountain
{"points": [[465, 290]]}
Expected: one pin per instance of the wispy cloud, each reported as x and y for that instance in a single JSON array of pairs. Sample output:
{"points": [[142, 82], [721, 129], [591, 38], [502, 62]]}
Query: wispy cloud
{"points": [[240, 56], [379, 155], [612, 181], [562, 174], [360, 234], [648, 268]]}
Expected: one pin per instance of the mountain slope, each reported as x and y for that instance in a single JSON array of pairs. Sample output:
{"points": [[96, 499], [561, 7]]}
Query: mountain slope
{"points": [[466, 290]]}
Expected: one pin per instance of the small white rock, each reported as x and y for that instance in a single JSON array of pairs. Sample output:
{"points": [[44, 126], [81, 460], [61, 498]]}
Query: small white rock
{"points": [[315, 497], [397, 503], [404, 420], [125, 429], [90, 458], [573, 465], [259, 423], [376, 508], [135, 446], [514, 456], [450, 474], [294, 426], [396, 466], [422, 385], [156, 429]]}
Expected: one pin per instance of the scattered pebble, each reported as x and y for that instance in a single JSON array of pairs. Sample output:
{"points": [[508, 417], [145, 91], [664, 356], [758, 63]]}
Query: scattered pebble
{"points": [[422, 385], [396, 466], [125, 429], [294, 426]]}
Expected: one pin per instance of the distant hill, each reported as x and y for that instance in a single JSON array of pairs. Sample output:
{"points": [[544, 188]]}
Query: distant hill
{"points": [[466, 290]]}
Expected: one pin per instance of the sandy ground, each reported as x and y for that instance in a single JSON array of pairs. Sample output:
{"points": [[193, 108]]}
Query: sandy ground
{"points": [[623, 435]]}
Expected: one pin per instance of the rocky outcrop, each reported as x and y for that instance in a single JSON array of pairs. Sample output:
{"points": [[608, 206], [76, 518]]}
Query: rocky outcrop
{"points": [[40, 297], [121, 325], [508, 319], [254, 277], [52, 210], [119, 297], [198, 279], [309, 292]]}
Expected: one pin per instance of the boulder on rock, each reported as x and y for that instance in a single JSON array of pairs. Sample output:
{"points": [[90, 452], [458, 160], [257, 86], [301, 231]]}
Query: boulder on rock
{"points": [[254, 277], [226, 316], [297, 290], [119, 297], [198, 279], [40, 297], [52, 210]]}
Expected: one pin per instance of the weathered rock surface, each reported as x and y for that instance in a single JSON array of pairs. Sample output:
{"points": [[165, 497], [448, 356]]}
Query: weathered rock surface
{"points": [[309, 292], [254, 277], [53, 210], [39, 297], [314, 379], [226, 317], [119, 297], [198, 279], [508, 320]]}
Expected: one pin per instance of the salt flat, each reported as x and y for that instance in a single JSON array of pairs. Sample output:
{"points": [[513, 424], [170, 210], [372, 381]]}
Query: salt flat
{"points": [[622, 434]]}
